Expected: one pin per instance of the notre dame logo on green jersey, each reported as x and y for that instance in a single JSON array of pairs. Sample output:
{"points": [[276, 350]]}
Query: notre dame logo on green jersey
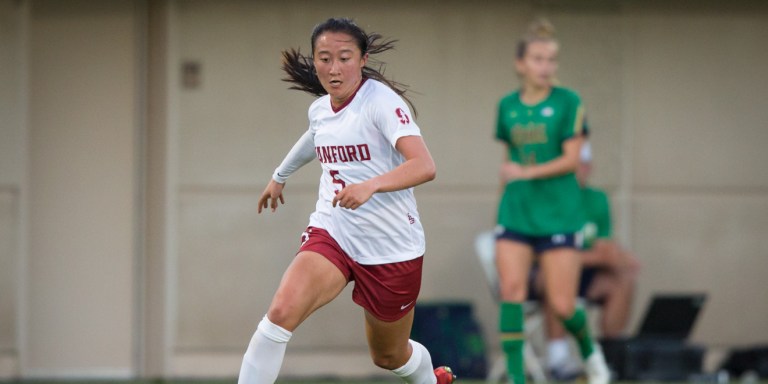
{"points": [[531, 133]]}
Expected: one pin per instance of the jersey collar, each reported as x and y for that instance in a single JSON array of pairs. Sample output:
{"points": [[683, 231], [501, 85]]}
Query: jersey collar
{"points": [[349, 100]]}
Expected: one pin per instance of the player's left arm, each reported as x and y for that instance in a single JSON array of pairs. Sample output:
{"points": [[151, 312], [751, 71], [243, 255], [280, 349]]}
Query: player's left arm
{"points": [[418, 168], [565, 163]]}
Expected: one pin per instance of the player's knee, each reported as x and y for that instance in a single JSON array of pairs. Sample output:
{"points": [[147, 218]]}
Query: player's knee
{"points": [[279, 315], [388, 361], [562, 307], [513, 291]]}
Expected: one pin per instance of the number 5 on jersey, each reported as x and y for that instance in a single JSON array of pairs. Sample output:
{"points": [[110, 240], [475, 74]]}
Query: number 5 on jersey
{"points": [[336, 179]]}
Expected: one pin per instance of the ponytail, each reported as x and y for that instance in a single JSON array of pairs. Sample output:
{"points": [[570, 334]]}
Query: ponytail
{"points": [[301, 72]]}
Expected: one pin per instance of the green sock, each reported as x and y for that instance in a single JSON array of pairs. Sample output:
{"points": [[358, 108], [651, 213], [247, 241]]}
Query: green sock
{"points": [[578, 327], [513, 339]]}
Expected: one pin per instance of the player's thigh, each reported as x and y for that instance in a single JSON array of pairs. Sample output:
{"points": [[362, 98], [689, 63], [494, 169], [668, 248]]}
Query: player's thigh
{"points": [[513, 262], [310, 282], [388, 341], [561, 268]]}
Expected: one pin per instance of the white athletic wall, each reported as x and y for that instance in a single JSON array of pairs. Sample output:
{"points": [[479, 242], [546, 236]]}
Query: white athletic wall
{"points": [[69, 192], [11, 173], [129, 239]]}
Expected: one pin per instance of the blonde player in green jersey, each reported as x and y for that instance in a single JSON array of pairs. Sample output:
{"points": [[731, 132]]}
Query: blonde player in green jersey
{"points": [[540, 211]]}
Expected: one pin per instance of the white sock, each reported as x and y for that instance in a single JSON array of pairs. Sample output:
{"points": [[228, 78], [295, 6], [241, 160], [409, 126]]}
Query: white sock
{"points": [[264, 356], [418, 369], [557, 353]]}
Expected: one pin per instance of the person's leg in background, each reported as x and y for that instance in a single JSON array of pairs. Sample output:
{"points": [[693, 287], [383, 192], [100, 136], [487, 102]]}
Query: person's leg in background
{"points": [[561, 268], [615, 291], [561, 365], [513, 261]]}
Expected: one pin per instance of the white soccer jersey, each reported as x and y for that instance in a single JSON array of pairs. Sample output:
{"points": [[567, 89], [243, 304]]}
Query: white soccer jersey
{"points": [[355, 144]]}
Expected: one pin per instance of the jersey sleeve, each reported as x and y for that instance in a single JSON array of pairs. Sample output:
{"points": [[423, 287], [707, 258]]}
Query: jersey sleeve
{"points": [[300, 154], [604, 228], [502, 132], [573, 123], [393, 118]]}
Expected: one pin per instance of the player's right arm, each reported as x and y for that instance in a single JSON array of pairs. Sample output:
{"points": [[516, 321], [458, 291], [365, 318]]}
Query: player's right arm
{"points": [[302, 153]]}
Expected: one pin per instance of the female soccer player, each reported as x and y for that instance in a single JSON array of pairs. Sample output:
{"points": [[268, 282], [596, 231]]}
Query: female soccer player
{"points": [[365, 226], [540, 210]]}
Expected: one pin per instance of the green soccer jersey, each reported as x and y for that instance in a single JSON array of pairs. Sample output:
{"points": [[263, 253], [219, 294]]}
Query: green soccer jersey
{"points": [[534, 135], [597, 210]]}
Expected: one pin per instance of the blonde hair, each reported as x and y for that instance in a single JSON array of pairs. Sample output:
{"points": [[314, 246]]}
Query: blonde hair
{"points": [[539, 30]]}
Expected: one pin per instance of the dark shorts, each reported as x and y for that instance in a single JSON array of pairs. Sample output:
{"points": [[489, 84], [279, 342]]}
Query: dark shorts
{"points": [[387, 291], [542, 243]]}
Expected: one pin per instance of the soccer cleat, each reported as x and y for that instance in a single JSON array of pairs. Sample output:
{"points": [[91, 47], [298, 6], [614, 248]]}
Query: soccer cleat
{"points": [[597, 368], [444, 375]]}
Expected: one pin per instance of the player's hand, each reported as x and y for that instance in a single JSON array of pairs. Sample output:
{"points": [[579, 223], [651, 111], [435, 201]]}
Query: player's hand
{"points": [[271, 195], [353, 196], [511, 171]]}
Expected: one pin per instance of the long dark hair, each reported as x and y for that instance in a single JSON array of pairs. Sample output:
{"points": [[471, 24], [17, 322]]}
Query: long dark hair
{"points": [[301, 70]]}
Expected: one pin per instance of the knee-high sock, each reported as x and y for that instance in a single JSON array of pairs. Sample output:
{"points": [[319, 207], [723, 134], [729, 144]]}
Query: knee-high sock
{"points": [[418, 369], [578, 326], [512, 340], [264, 356]]}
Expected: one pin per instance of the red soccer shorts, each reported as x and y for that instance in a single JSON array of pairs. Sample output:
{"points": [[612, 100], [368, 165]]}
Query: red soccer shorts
{"points": [[387, 291]]}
